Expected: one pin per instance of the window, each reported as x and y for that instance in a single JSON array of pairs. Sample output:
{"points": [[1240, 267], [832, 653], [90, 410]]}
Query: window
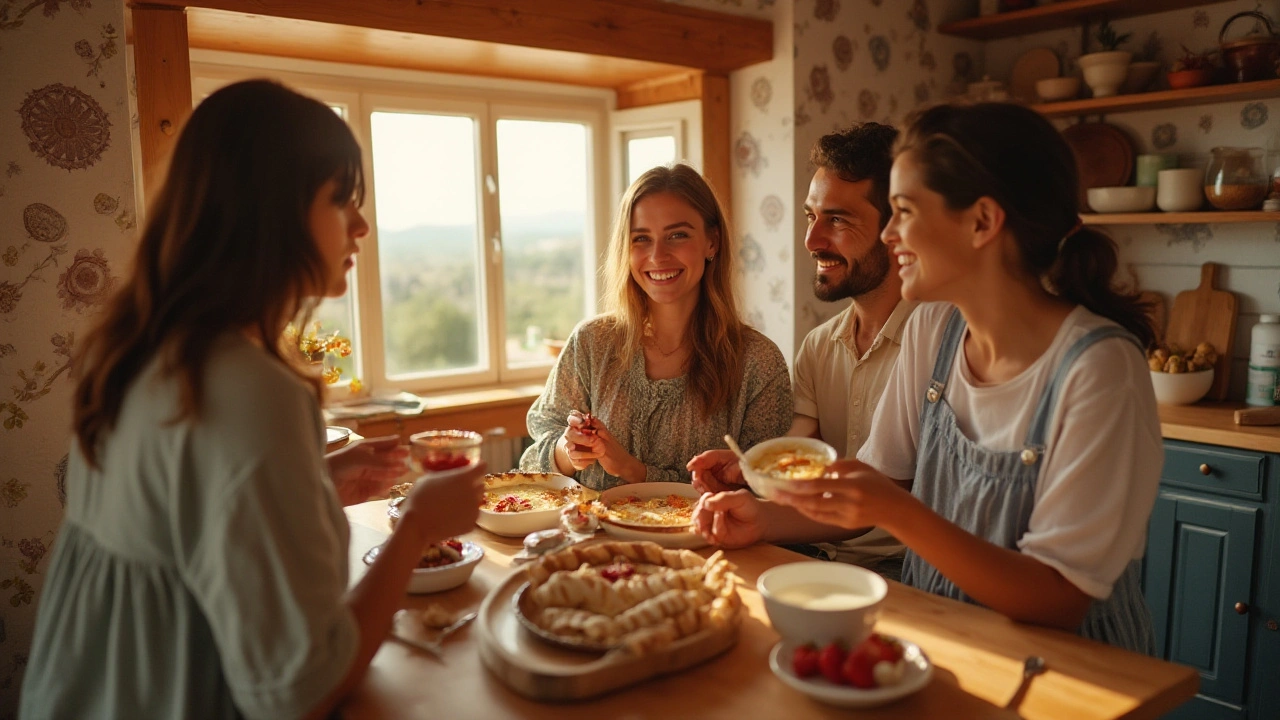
{"points": [[486, 225]]}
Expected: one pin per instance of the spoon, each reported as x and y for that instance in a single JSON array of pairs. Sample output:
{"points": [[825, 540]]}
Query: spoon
{"points": [[436, 646], [1032, 666], [733, 445]]}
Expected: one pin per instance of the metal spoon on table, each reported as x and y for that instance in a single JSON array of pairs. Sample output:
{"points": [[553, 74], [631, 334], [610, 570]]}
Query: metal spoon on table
{"points": [[1032, 666], [436, 646]]}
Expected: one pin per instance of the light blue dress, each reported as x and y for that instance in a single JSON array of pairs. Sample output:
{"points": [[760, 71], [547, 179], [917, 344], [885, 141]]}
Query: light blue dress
{"points": [[991, 493], [201, 571]]}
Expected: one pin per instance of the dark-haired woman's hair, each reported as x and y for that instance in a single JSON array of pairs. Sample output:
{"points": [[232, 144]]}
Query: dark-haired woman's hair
{"points": [[226, 248], [862, 152], [1016, 157], [716, 331]]}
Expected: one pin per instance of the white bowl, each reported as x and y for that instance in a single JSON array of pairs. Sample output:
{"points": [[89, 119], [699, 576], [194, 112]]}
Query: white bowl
{"points": [[1181, 388], [818, 602], [681, 537], [765, 484], [916, 675], [519, 524], [1059, 88], [1106, 71], [1121, 199], [439, 579]]}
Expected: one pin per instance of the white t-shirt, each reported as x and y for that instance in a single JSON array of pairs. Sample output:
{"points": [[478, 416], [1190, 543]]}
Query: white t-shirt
{"points": [[1101, 470]]}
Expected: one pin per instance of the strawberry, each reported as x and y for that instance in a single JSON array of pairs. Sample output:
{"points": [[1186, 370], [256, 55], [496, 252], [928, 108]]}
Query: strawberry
{"points": [[830, 660], [885, 648], [859, 667], [804, 661]]}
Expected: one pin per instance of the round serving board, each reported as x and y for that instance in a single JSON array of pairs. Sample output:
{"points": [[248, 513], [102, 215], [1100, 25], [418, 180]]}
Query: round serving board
{"points": [[539, 670]]}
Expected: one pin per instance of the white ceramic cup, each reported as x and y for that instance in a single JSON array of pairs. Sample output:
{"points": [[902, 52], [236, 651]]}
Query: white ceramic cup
{"points": [[1180, 189]]}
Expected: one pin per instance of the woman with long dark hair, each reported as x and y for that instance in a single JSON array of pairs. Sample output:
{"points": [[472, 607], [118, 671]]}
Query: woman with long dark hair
{"points": [[201, 569], [1016, 451]]}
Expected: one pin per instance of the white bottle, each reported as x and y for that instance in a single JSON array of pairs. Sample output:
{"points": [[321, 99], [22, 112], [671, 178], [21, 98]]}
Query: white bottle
{"points": [[1263, 387]]}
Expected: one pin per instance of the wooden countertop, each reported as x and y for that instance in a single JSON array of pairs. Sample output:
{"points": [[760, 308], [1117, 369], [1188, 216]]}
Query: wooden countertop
{"points": [[1214, 423], [977, 656]]}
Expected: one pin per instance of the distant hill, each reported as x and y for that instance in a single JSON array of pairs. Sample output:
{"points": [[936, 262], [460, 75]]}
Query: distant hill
{"points": [[455, 244]]}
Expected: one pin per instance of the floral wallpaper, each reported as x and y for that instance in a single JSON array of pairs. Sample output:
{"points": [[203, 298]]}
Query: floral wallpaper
{"points": [[67, 223], [865, 60], [1167, 258], [835, 62]]}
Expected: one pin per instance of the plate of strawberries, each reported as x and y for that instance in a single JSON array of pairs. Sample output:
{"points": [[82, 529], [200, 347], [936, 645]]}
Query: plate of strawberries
{"points": [[878, 671]]}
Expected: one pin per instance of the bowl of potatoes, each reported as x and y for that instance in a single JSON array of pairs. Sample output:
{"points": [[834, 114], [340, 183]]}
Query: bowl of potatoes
{"points": [[1181, 376]]}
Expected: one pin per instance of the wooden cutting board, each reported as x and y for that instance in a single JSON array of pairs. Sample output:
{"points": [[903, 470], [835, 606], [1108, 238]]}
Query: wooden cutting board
{"points": [[1206, 314], [1156, 311]]}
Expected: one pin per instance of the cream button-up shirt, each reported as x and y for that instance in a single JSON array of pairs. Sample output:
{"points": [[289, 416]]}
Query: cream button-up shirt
{"points": [[840, 388]]}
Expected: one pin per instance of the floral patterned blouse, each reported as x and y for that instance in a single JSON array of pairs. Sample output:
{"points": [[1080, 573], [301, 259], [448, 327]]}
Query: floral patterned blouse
{"points": [[657, 421]]}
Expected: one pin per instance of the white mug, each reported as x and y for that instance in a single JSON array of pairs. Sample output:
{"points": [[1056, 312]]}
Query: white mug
{"points": [[1180, 189]]}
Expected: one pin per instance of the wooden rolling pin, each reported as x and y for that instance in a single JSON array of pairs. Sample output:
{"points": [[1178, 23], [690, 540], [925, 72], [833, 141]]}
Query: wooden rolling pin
{"points": [[1258, 416]]}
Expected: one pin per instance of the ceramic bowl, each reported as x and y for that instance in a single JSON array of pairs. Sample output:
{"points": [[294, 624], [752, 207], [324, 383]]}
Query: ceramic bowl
{"points": [[1059, 88], [1181, 388], [820, 602], [1105, 72], [1121, 199], [764, 484], [519, 524], [440, 450], [445, 577]]}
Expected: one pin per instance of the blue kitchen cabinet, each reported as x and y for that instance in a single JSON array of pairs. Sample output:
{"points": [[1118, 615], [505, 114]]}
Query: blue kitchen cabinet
{"points": [[1211, 580]]}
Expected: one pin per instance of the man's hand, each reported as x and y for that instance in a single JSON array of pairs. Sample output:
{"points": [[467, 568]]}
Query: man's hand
{"points": [[729, 519], [716, 471]]}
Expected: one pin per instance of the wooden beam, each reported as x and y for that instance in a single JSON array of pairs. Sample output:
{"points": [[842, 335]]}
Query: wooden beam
{"points": [[638, 29], [716, 143], [162, 65], [659, 90]]}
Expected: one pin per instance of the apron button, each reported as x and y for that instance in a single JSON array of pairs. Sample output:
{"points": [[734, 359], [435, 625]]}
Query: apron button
{"points": [[932, 394], [1029, 457]]}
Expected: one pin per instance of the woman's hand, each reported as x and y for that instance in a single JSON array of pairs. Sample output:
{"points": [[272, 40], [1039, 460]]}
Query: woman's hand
{"points": [[850, 495], [444, 504], [587, 440], [729, 519], [715, 471], [367, 468]]}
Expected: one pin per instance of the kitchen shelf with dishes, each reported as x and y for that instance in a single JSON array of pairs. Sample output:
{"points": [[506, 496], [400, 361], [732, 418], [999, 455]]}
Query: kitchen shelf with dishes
{"points": [[1179, 218], [1066, 13], [1259, 89]]}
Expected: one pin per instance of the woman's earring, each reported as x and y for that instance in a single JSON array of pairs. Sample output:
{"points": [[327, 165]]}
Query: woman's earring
{"points": [[710, 258]]}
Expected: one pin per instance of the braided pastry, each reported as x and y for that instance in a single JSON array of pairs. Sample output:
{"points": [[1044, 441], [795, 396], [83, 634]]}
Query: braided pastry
{"points": [[572, 594]]}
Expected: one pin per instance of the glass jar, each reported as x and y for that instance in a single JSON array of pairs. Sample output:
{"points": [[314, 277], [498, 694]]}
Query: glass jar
{"points": [[1236, 178]]}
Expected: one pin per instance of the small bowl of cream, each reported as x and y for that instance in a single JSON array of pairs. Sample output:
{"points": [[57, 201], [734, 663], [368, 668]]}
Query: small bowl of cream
{"points": [[821, 602]]}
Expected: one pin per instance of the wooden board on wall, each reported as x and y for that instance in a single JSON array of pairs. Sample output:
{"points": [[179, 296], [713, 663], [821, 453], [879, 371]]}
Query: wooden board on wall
{"points": [[637, 29], [162, 62]]}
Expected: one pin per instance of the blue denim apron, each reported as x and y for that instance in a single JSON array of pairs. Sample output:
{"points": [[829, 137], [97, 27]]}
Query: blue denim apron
{"points": [[991, 493]]}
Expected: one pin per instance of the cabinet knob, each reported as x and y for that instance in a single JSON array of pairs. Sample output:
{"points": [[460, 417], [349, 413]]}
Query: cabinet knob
{"points": [[1205, 469], [1242, 608]]}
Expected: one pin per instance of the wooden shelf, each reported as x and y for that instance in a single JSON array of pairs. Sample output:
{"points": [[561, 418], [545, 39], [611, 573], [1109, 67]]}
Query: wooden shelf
{"points": [[1178, 218], [1162, 99], [1059, 15]]}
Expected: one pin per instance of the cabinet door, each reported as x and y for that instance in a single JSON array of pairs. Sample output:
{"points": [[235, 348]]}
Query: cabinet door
{"points": [[1199, 565]]}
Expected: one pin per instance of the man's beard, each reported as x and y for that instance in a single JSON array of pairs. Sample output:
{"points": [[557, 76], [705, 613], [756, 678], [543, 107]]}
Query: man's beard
{"points": [[861, 277]]}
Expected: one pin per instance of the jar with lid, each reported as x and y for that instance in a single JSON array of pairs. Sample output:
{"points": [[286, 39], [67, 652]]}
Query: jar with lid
{"points": [[1263, 387], [1235, 178]]}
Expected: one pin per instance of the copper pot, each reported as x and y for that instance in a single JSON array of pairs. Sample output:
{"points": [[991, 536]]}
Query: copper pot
{"points": [[1254, 56]]}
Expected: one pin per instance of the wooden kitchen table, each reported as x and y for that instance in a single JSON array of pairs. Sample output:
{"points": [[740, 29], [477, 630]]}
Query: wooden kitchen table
{"points": [[977, 656]]}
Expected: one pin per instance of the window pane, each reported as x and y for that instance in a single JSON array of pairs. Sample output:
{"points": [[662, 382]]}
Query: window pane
{"points": [[424, 169], [542, 167], [339, 314], [648, 152]]}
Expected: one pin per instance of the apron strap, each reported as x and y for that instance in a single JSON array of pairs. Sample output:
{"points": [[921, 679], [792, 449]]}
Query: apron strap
{"points": [[1033, 448], [951, 338]]}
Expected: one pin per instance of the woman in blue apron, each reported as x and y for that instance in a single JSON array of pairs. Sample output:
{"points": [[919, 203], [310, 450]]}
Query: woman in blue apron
{"points": [[1016, 450]]}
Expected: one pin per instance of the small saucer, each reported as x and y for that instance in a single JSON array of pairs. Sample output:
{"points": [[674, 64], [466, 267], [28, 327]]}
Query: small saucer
{"points": [[917, 674]]}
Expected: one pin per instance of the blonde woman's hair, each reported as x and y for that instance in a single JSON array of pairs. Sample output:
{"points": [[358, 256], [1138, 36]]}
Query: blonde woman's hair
{"points": [[717, 333]]}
